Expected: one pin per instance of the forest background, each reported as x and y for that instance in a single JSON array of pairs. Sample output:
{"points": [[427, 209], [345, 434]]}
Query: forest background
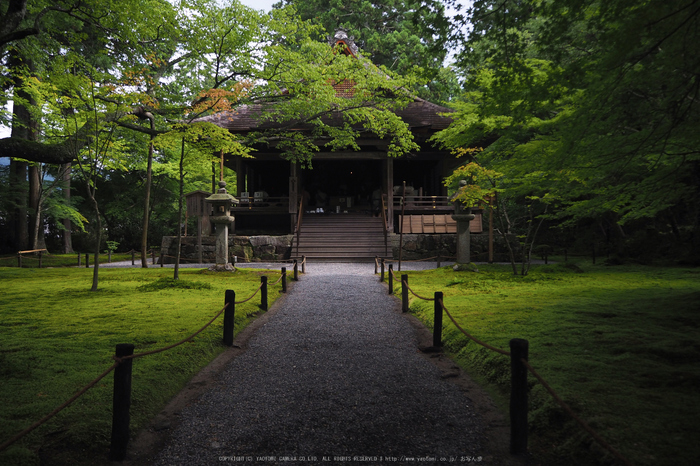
{"points": [[584, 114]]}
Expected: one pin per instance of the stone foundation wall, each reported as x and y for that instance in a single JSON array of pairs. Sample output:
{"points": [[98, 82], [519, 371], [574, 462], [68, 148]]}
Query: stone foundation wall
{"points": [[246, 248], [265, 248], [424, 246]]}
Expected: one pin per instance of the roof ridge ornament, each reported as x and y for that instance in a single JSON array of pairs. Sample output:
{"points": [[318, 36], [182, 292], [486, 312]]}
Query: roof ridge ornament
{"points": [[341, 36]]}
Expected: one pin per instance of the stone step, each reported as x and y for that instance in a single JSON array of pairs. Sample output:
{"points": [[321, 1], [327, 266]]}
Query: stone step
{"points": [[341, 238]]}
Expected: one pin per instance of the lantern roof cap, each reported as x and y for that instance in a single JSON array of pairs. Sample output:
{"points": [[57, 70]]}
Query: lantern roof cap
{"points": [[221, 195]]}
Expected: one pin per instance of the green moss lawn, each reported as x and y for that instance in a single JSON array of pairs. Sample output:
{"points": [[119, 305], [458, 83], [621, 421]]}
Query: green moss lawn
{"points": [[620, 344], [56, 336]]}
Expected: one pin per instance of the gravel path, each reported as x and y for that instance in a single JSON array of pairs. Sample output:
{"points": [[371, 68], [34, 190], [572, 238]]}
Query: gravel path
{"points": [[333, 377]]}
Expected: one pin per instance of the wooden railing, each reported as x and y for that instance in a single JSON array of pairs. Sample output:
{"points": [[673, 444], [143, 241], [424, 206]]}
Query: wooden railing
{"points": [[266, 203], [300, 216], [386, 226], [424, 202]]}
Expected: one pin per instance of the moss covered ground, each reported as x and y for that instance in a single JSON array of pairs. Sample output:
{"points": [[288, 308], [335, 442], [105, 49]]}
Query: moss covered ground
{"points": [[56, 336], [620, 344]]}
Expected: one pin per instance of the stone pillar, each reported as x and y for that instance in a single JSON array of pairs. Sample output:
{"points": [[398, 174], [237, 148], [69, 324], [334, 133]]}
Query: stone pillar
{"points": [[463, 238], [222, 245], [462, 216], [221, 202]]}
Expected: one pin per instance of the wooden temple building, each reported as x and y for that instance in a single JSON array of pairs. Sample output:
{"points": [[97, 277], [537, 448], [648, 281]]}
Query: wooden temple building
{"points": [[352, 185]]}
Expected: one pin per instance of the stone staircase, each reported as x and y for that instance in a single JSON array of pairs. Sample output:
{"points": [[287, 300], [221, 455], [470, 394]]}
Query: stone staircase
{"points": [[341, 237]]}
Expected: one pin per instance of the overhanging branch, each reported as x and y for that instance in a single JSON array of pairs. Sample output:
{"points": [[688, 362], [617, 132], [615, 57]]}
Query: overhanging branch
{"points": [[55, 154]]}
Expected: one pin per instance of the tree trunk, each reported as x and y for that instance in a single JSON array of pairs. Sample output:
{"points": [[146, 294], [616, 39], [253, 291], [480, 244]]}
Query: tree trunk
{"points": [[530, 248], [502, 213], [19, 189], [146, 207], [98, 240], [67, 237], [179, 212], [35, 204], [26, 127], [36, 227], [23, 128]]}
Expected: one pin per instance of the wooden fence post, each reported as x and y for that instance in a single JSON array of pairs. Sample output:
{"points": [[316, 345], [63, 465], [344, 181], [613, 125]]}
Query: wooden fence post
{"points": [[296, 271], [437, 320], [284, 279], [109, 256], [121, 402], [381, 276], [404, 293], [133, 257], [153, 257], [79, 261], [518, 396], [375, 264], [263, 293], [87, 260], [391, 278], [229, 313], [303, 264]]}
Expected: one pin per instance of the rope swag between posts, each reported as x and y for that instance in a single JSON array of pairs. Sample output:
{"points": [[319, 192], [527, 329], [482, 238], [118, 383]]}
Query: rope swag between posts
{"points": [[122, 368], [519, 368]]}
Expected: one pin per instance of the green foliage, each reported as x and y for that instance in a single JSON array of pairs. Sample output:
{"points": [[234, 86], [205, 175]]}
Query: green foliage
{"points": [[302, 93], [405, 36], [208, 138], [96, 30], [479, 187], [112, 246], [590, 105], [391, 32]]}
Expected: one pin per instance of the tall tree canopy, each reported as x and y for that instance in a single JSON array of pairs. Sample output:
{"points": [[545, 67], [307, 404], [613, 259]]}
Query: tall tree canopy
{"points": [[402, 35], [592, 104], [391, 32]]}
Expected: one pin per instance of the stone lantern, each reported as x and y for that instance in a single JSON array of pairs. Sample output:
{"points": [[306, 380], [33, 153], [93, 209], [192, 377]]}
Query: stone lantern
{"points": [[221, 203], [462, 216]]}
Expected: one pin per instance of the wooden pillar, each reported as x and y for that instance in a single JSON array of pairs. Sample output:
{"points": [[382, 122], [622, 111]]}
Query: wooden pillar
{"points": [[221, 168], [121, 403], [293, 194], [519, 349], [293, 188], [240, 176], [442, 172], [229, 314], [199, 235], [250, 181], [389, 183], [205, 220]]}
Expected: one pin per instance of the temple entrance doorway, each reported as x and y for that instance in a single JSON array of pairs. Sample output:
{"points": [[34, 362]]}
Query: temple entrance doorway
{"points": [[342, 185]]}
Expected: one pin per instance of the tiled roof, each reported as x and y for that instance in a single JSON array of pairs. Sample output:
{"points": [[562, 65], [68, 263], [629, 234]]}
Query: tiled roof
{"points": [[344, 88], [417, 114], [421, 113]]}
